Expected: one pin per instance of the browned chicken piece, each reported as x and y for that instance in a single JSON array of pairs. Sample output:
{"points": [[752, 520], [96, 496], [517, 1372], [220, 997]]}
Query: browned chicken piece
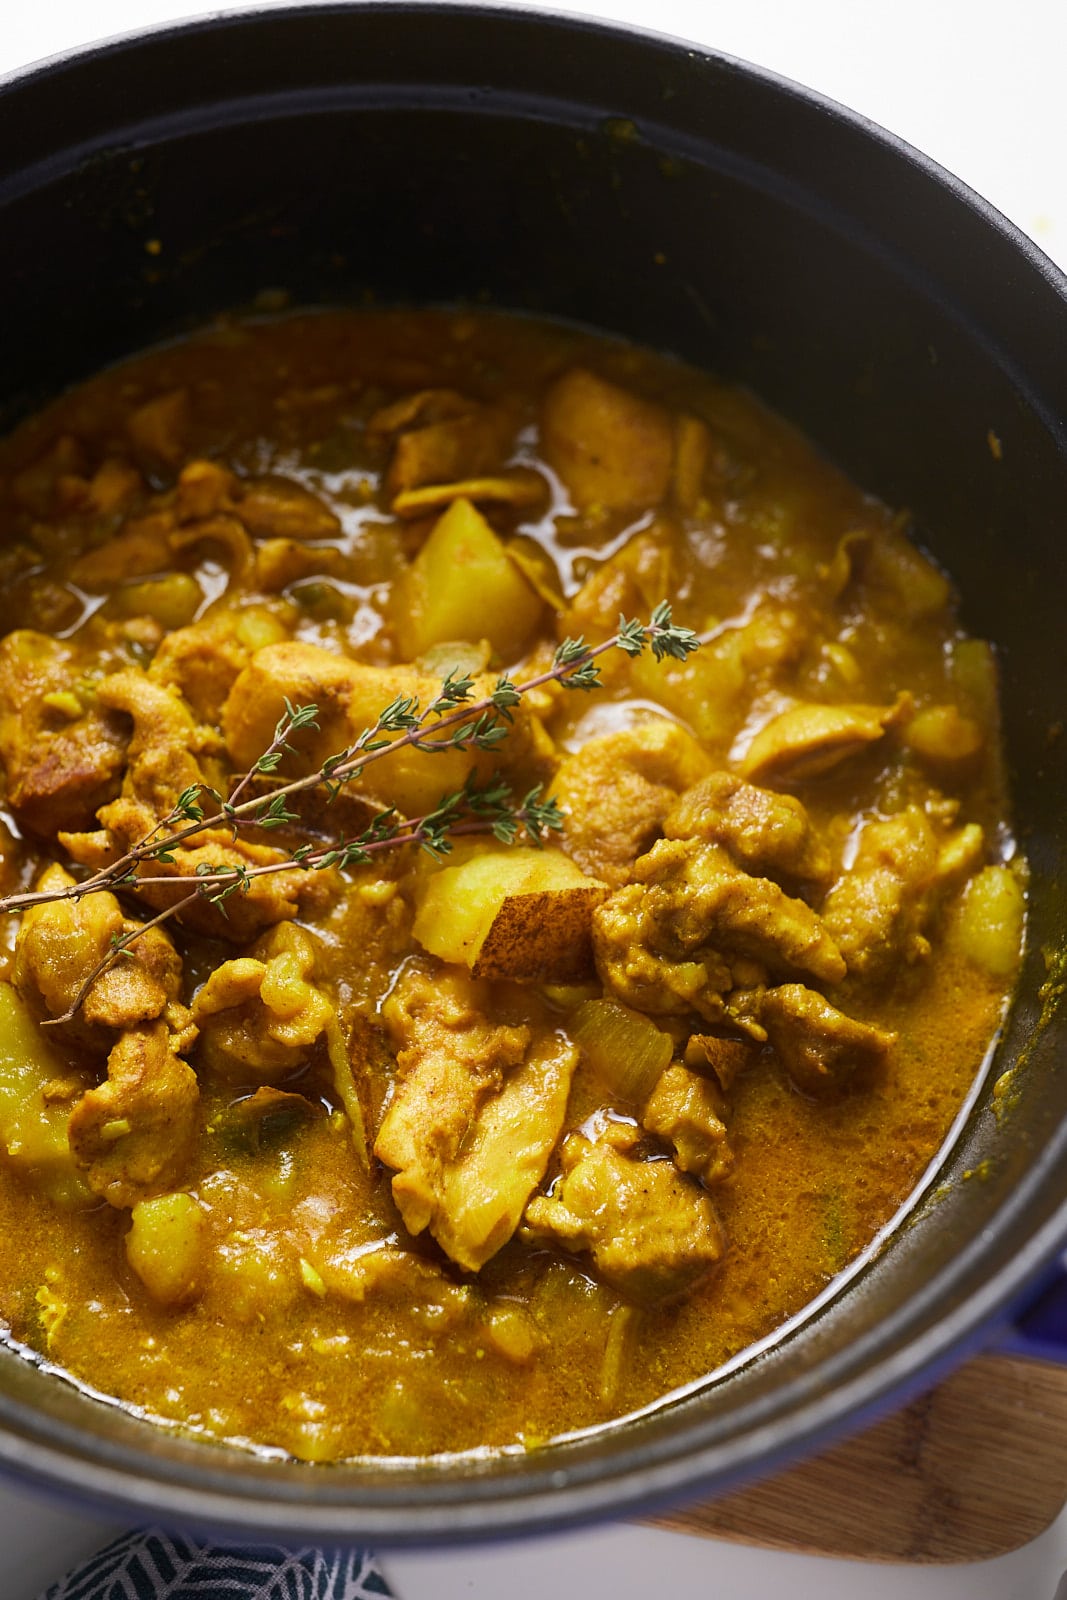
{"points": [[907, 582], [112, 487], [687, 1111], [419, 410], [477, 1110], [61, 942], [766, 833], [745, 656], [878, 910], [632, 582], [142, 547], [821, 1049], [162, 763], [610, 590], [692, 454], [350, 696], [692, 927], [808, 740], [727, 1058], [164, 750], [611, 448], [280, 562], [278, 508], [650, 1232], [63, 753], [521, 488], [204, 489], [136, 1134], [203, 661], [618, 788], [37, 487], [222, 536], [260, 1015], [439, 437], [158, 429], [848, 559]]}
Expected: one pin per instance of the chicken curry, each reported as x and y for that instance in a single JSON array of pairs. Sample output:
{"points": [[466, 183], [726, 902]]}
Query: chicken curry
{"points": [[506, 880]]}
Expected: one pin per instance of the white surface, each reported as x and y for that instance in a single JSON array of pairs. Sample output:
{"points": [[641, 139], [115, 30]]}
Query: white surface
{"points": [[979, 86]]}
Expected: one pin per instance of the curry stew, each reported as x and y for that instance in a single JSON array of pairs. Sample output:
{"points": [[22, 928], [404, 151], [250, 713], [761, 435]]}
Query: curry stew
{"points": [[413, 1151]]}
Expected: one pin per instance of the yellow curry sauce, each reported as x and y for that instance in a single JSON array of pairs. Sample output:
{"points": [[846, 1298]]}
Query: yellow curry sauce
{"points": [[415, 1156]]}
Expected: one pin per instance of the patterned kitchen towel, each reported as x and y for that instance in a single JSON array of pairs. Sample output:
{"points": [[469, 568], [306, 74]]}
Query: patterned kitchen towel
{"points": [[153, 1565]]}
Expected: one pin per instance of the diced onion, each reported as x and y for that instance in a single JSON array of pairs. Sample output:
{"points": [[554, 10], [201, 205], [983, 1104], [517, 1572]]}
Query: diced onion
{"points": [[622, 1047]]}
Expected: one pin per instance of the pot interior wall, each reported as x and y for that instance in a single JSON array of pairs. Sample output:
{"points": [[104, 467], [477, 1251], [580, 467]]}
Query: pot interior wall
{"points": [[704, 210]]}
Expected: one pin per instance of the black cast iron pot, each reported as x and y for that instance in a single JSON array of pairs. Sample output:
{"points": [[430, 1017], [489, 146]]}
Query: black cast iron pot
{"points": [[443, 153]]}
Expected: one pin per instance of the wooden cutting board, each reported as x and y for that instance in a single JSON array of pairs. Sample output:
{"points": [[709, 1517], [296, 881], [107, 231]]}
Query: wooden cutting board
{"points": [[973, 1469]]}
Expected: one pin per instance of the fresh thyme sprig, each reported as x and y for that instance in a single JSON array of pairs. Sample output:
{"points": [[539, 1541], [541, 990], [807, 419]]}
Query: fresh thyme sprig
{"points": [[474, 809], [452, 720]]}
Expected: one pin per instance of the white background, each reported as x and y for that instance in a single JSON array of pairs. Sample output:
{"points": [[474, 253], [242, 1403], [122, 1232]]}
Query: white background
{"points": [[979, 85]]}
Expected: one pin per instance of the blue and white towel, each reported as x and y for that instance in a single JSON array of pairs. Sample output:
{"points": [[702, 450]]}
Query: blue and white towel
{"points": [[153, 1565]]}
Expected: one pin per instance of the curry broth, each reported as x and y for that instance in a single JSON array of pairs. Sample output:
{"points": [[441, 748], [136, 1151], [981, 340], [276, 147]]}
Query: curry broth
{"points": [[805, 593]]}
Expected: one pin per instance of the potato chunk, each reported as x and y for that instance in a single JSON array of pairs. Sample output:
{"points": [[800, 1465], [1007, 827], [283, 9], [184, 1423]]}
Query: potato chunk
{"points": [[512, 913], [462, 585], [989, 921], [165, 1246], [33, 1125]]}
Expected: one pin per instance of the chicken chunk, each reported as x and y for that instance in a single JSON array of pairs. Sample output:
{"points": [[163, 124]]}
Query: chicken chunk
{"points": [[612, 448], [280, 562], [650, 1232], [687, 1111], [158, 428], [693, 927], [261, 1014], [140, 548], [808, 740], [476, 1113], [223, 538], [821, 1049], [440, 437], [617, 789], [62, 758], [61, 942], [766, 833], [38, 488], [204, 489], [878, 910], [349, 696], [163, 761], [203, 661], [136, 1134], [520, 488], [278, 508], [386, 1273], [726, 1058]]}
